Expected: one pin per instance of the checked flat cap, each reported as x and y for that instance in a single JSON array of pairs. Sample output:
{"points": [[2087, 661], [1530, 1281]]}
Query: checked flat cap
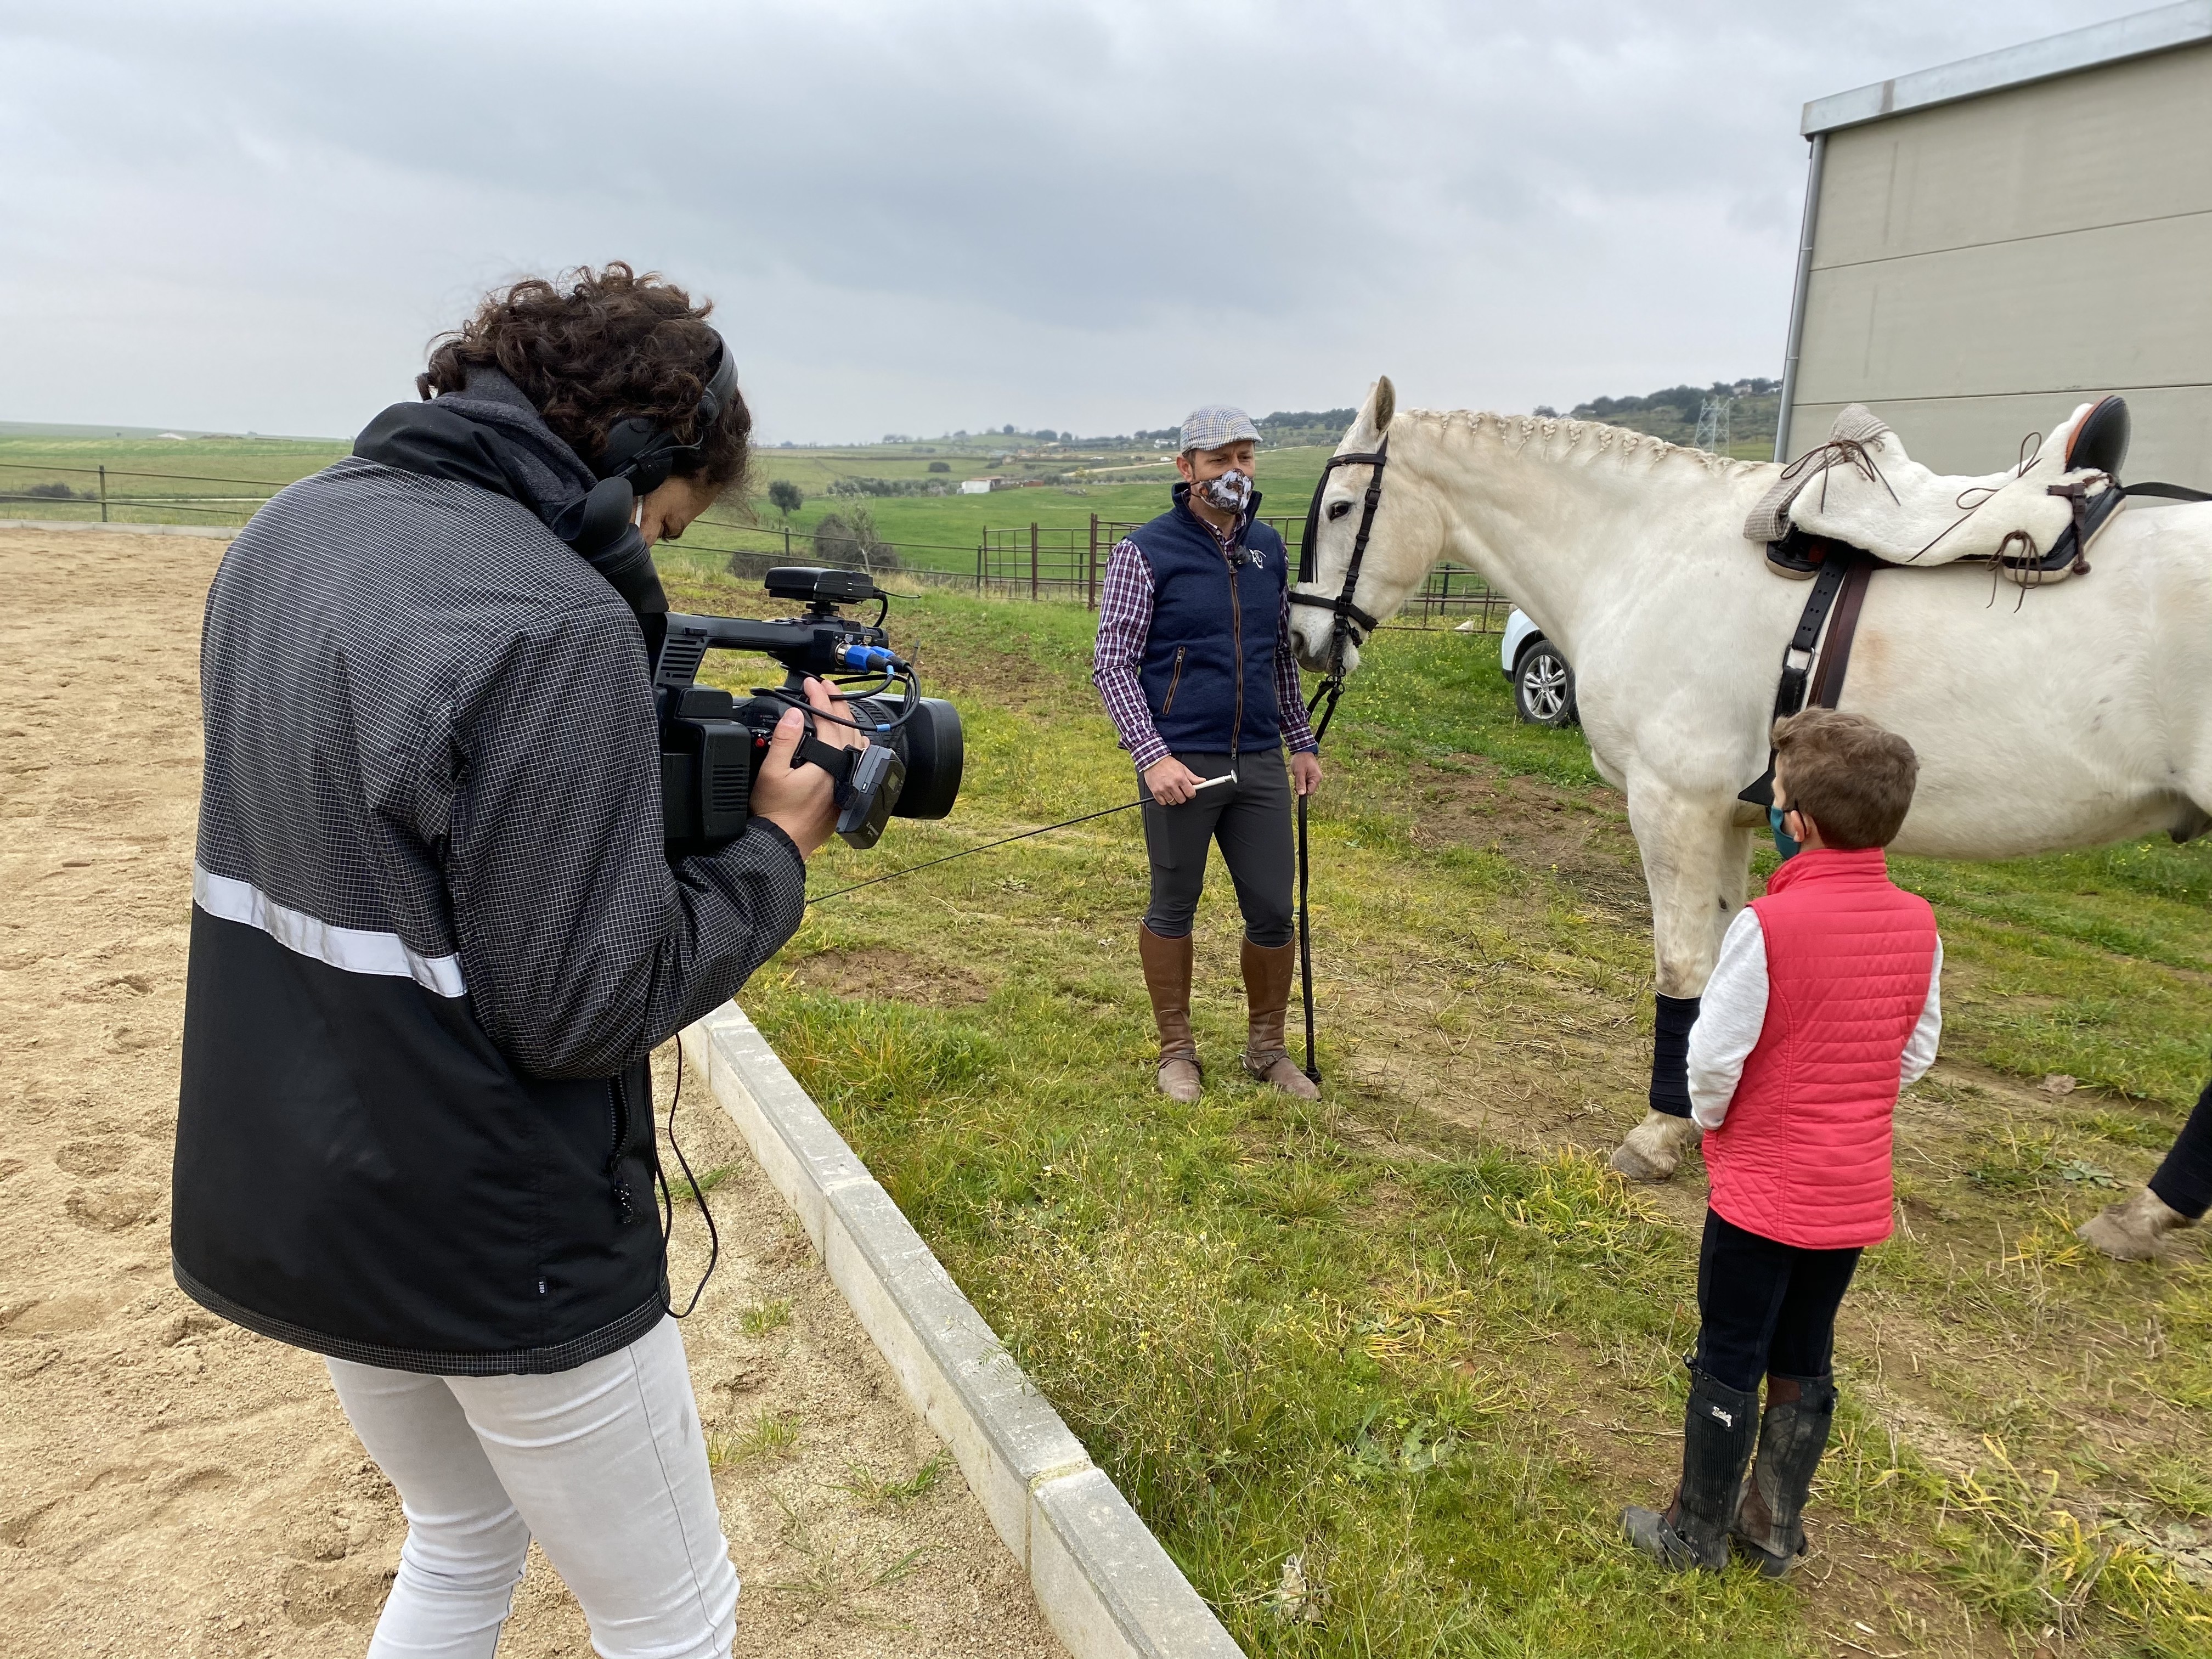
{"points": [[1215, 425]]}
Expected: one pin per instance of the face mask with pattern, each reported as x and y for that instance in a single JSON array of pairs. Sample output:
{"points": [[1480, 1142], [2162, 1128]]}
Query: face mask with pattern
{"points": [[1232, 492]]}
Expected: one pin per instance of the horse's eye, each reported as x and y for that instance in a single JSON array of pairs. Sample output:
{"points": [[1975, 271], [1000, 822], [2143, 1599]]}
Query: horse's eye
{"points": [[1338, 509]]}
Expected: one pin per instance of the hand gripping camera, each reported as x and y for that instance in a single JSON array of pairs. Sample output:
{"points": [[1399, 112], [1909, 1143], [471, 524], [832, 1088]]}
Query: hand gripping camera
{"points": [[712, 744]]}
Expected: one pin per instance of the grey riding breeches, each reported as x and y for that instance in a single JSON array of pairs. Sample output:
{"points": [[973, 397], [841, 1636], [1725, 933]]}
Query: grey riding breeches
{"points": [[1251, 820]]}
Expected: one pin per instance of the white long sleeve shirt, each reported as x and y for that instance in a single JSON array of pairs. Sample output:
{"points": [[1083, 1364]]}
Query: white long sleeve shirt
{"points": [[1733, 1013]]}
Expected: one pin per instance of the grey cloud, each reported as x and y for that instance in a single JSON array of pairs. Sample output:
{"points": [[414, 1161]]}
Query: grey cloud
{"points": [[923, 216]]}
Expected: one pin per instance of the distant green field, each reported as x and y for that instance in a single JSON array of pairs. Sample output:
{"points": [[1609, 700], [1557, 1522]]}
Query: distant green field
{"points": [[222, 480], [942, 533], [150, 480], [219, 481]]}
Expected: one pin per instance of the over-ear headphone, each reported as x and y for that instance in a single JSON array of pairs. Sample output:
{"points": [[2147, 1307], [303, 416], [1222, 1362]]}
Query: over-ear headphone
{"points": [[646, 454], [639, 457]]}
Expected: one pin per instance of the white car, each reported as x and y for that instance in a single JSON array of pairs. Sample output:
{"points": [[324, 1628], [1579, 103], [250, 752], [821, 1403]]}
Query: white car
{"points": [[1543, 684]]}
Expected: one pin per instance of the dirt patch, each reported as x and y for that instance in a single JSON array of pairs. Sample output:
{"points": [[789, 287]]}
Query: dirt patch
{"points": [[177, 1485], [893, 975], [1579, 835]]}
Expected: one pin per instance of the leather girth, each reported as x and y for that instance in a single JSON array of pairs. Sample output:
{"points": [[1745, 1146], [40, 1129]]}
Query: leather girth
{"points": [[1813, 665]]}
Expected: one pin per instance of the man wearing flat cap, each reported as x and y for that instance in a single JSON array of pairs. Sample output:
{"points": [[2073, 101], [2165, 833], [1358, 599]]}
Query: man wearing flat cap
{"points": [[1194, 661]]}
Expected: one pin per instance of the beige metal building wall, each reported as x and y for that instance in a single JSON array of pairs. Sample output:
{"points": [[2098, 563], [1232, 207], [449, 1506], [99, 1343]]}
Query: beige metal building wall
{"points": [[2027, 237]]}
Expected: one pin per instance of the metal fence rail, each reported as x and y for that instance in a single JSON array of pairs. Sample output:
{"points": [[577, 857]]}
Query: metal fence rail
{"points": [[1032, 562], [1450, 596]]}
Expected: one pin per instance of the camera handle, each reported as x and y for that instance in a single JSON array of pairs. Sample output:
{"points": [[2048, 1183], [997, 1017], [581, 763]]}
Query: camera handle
{"points": [[867, 780]]}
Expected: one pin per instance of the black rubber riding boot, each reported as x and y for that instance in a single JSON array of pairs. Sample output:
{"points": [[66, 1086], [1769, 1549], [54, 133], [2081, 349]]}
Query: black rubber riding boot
{"points": [[1718, 1430], [1770, 1525]]}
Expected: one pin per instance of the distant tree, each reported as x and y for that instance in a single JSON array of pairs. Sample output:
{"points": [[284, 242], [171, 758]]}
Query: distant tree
{"points": [[1545, 411], [940, 466], [1300, 426], [1007, 431], [786, 497], [850, 537]]}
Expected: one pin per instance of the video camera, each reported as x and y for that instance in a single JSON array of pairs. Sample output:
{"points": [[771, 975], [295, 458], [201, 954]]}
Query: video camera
{"points": [[712, 743]]}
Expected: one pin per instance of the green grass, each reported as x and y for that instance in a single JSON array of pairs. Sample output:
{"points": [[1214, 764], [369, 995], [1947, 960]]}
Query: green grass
{"points": [[1398, 1337], [765, 1317], [770, 1437], [877, 1492]]}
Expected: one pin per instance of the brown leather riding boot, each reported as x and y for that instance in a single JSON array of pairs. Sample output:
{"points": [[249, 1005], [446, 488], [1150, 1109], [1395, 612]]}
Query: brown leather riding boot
{"points": [[1167, 980], [1268, 971]]}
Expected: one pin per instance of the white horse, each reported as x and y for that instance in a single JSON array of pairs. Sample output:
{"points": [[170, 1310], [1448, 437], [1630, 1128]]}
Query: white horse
{"points": [[2068, 717]]}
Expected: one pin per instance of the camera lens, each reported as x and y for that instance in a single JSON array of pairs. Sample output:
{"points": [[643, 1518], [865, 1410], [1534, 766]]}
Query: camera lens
{"points": [[931, 745]]}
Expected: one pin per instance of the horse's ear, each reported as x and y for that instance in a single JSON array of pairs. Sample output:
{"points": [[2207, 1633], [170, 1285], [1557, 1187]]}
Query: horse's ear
{"points": [[1381, 404]]}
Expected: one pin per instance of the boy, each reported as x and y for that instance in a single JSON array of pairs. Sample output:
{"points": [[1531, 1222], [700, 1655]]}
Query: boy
{"points": [[1822, 1006]]}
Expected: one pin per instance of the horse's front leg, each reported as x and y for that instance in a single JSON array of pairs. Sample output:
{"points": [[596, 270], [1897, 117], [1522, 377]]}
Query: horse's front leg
{"points": [[1697, 862]]}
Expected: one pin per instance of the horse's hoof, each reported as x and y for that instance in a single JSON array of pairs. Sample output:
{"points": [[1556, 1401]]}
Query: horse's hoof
{"points": [[2131, 1229], [1654, 1148]]}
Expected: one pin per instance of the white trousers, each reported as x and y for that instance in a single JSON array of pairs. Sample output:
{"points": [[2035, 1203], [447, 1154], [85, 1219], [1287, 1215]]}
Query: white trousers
{"points": [[604, 1465]]}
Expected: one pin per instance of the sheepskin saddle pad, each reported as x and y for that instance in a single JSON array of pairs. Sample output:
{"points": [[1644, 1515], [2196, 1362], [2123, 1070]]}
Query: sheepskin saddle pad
{"points": [[1862, 489]]}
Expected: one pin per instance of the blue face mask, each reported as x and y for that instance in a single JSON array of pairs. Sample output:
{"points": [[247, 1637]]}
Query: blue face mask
{"points": [[1784, 843], [1232, 492]]}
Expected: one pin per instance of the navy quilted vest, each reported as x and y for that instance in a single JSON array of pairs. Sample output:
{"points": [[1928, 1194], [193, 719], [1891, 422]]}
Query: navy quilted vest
{"points": [[1209, 667]]}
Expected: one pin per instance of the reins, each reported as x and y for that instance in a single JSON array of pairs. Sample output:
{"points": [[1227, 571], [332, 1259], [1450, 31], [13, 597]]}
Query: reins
{"points": [[1351, 625]]}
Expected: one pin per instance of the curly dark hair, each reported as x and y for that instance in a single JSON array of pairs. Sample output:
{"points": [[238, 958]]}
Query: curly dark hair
{"points": [[595, 347]]}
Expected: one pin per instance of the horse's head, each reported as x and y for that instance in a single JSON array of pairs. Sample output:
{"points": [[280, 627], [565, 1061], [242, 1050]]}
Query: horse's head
{"points": [[1402, 544]]}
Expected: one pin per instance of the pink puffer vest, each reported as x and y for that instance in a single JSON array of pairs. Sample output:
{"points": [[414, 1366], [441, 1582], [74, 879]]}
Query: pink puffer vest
{"points": [[1804, 1157]]}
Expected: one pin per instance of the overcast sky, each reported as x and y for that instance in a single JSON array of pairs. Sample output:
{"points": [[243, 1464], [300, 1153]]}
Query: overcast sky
{"points": [[920, 216]]}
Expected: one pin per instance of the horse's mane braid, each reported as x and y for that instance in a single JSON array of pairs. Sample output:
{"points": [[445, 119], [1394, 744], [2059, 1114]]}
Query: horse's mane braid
{"points": [[1559, 438]]}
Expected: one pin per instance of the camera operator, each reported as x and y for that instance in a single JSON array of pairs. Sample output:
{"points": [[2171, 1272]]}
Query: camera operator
{"points": [[436, 936], [1194, 662]]}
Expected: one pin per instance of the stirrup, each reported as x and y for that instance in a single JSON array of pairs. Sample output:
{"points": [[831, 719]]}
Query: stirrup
{"points": [[1797, 557]]}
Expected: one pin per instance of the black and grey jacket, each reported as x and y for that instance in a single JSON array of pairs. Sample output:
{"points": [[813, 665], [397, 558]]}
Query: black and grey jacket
{"points": [[434, 933]]}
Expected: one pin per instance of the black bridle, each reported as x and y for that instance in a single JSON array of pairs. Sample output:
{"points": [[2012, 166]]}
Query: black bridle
{"points": [[1352, 626]]}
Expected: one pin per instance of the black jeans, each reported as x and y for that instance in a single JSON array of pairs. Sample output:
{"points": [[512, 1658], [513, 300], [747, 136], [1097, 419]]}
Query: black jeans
{"points": [[1766, 1307], [2184, 1180], [1251, 819]]}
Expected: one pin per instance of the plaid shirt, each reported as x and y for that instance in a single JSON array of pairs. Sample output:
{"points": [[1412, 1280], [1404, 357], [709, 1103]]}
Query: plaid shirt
{"points": [[1125, 621]]}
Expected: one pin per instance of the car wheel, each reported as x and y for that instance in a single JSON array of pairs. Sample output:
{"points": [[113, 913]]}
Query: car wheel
{"points": [[1544, 686]]}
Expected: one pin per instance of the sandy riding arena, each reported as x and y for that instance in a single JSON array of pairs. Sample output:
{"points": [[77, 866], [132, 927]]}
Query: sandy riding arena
{"points": [[174, 1486]]}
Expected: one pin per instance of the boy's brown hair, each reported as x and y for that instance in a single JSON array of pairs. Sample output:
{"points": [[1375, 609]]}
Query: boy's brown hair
{"points": [[1849, 775]]}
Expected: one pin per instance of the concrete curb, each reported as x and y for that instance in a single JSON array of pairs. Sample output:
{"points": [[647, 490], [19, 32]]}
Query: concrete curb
{"points": [[222, 533], [1105, 1585]]}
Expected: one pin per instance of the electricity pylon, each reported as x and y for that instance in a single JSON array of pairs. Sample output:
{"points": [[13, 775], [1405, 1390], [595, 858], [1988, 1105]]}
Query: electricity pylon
{"points": [[1713, 425]]}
